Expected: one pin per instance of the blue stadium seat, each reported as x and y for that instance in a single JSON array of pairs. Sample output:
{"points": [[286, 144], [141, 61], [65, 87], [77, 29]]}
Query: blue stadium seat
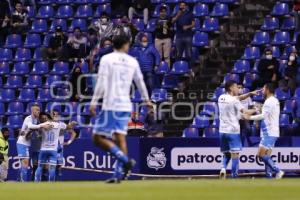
{"points": [[102, 8], [81, 23], [159, 95], [270, 23], [60, 68], [44, 95], [4, 68], [261, 38], [45, 12], [281, 38], [217, 93], [1, 82], [251, 53], [85, 109], [216, 122], [288, 24], [84, 11], [163, 68], [47, 40], [63, 94], [15, 108], [34, 81], [27, 95], [15, 121], [14, 82], [259, 97], [37, 55], [210, 109], [58, 22], [201, 121], [201, 10], [231, 77], [169, 82], [209, 1], [20, 68], [282, 95], [53, 106], [275, 51], [84, 67], [40, 68], [197, 26], [151, 25], [180, 68], [210, 25], [64, 11], [82, 1], [6, 55], [200, 39], [228, 1], [241, 67], [22, 54], [280, 9], [211, 132], [32, 41], [2, 109], [289, 107], [248, 79], [284, 120], [30, 11], [13, 41], [71, 108], [50, 81], [297, 93], [220, 10], [136, 97], [287, 50], [85, 132], [39, 26], [139, 24], [63, 2], [190, 133], [7, 95], [45, 2]]}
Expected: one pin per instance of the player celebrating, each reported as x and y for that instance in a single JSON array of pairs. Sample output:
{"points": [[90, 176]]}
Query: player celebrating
{"points": [[229, 114], [116, 72], [24, 141], [269, 129]]}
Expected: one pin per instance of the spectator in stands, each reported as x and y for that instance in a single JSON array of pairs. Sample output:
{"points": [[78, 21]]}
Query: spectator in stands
{"points": [[139, 6], [125, 28], [4, 20], [76, 45], [29, 2], [135, 126], [19, 20], [119, 7], [103, 26], [184, 20], [75, 82], [296, 13], [163, 35], [289, 81], [268, 70], [56, 45], [149, 60], [154, 124]]}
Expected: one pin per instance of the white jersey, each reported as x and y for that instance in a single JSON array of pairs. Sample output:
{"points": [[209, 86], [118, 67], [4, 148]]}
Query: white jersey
{"points": [[115, 75], [50, 138], [30, 123], [229, 114], [270, 121]]}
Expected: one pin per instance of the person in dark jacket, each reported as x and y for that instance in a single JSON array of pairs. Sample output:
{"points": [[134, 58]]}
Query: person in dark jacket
{"points": [[56, 44], [19, 20], [149, 60], [76, 73], [154, 124], [138, 6]]}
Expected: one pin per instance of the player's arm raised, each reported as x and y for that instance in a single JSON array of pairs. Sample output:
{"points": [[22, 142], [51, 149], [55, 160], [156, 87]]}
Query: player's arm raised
{"points": [[247, 95]]}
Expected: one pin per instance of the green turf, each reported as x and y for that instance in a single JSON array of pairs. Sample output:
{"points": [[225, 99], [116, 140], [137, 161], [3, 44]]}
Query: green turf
{"points": [[245, 189]]}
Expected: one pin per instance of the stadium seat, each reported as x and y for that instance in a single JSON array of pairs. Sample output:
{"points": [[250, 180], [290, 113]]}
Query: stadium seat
{"points": [[259, 97], [27, 95], [281, 38], [228, 1], [20, 68], [217, 93], [85, 109], [63, 2], [85, 132], [139, 24], [37, 55], [211, 132], [64, 11], [58, 22], [180, 68], [15, 108], [22, 54], [162, 69], [45, 2], [81, 23], [60, 68], [40, 68], [151, 25], [53, 106], [200, 39], [71, 108], [170, 82], [45, 12], [13, 41], [30, 11], [209, 1], [197, 26], [210, 109], [282, 95], [32, 41], [270, 23], [261, 38], [63, 94], [231, 77], [289, 107], [249, 78], [2, 109], [200, 121], [201, 10], [4, 68], [6, 55], [288, 24], [280, 9], [297, 94], [159, 95], [210, 25], [136, 97], [241, 67], [7, 95], [220, 10], [15, 121], [190, 133], [50, 81], [34, 81], [14, 82], [156, 10], [44, 95], [287, 50], [102, 8], [284, 120], [39, 26], [84, 11], [275, 51], [28, 107], [215, 123], [251, 53]]}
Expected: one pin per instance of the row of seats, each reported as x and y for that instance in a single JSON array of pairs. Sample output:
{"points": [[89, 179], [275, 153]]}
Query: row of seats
{"points": [[272, 23]]}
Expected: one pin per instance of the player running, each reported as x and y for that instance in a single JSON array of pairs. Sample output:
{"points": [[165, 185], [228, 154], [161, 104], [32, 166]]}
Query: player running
{"points": [[230, 108], [269, 129], [116, 72]]}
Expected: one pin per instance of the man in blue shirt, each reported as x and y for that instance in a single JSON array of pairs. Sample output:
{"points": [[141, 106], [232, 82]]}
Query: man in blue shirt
{"points": [[184, 20]]}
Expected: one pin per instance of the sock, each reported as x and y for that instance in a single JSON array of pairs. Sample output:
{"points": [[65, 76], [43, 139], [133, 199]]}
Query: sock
{"points": [[34, 167], [52, 169], [235, 167], [268, 171], [118, 170], [115, 151], [24, 174], [38, 174], [269, 162], [225, 161], [58, 173]]}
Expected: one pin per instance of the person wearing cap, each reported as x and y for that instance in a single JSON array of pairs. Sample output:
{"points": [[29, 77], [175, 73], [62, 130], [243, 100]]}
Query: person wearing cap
{"points": [[56, 44], [4, 135]]}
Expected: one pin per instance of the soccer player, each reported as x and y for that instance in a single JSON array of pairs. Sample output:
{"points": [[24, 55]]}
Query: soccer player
{"points": [[116, 72], [269, 129], [48, 152], [24, 140], [230, 108]]}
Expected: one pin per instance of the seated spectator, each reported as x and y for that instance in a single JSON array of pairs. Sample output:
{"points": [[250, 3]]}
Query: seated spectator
{"points": [[149, 60], [268, 70], [76, 45], [103, 26], [125, 28], [184, 20], [19, 20], [139, 6], [289, 81], [4, 21], [56, 44], [163, 35], [79, 87], [135, 126], [154, 124]]}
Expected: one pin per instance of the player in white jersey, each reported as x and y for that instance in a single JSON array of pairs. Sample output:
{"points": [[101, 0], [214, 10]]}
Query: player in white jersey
{"points": [[24, 140], [269, 129], [116, 72], [230, 108], [49, 145]]}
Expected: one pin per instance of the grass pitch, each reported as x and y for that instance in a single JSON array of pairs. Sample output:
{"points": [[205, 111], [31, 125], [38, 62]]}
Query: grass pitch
{"points": [[245, 189]]}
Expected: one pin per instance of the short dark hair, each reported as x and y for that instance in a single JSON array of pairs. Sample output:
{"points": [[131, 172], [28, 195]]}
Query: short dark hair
{"points": [[120, 40], [163, 7], [78, 28], [271, 87], [55, 110], [47, 114], [4, 129], [228, 85]]}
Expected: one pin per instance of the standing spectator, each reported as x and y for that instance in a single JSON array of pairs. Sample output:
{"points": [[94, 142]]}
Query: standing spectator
{"points": [[125, 28], [289, 81], [4, 20], [163, 35], [56, 44], [296, 13], [76, 45], [79, 86], [119, 7], [184, 35], [19, 20], [149, 60], [139, 6], [103, 26], [4, 135]]}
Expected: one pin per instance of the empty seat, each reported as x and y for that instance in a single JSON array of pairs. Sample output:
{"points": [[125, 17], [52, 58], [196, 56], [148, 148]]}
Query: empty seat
{"points": [[45, 12], [52, 80], [220, 10], [15, 108], [32, 41], [6, 55], [270, 23], [248, 79], [280, 9], [33, 81], [217, 93], [84, 11], [288, 24], [159, 95], [2, 109], [261, 38], [14, 82], [63, 2], [289, 107], [13, 41], [287, 50], [60, 68], [37, 55], [170, 82], [200, 10], [4, 68], [20, 68], [71, 108], [180, 68], [45, 2], [200, 39], [64, 11], [251, 53], [15, 121], [284, 120], [231, 77], [102, 8], [241, 66], [136, 97], [275, 51], [44, 95], [210, 109], [211, 132], [281, 38], [58, 22], [78, 23], [53, 106], [151, 25], [7, 95], [139, 24], [30, 11], [282, 95], [297, 93], [39, 26], [27, 95], [201, 121], [40, 68], [190, 133], [22, 54], [210, 25], [163, 68]]}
